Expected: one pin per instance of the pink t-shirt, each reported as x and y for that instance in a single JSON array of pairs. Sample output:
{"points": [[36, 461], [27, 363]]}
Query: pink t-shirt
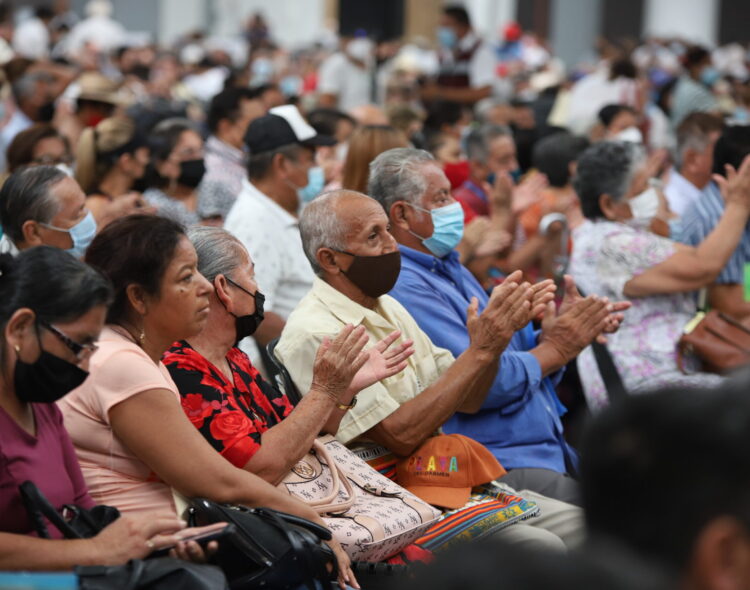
{"points": [[119, 370]]}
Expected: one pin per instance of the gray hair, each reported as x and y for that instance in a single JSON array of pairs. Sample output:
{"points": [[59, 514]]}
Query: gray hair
{"points": [[320, 228], [27, 195], [484, 107], [478, 140], [219, 252], [607, 168], [694, 133], [396, 175]]}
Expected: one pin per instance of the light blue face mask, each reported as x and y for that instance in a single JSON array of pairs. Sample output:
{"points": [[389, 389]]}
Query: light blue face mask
{"points": [[710, 75], [447, 37], [315, 182], [82, 233], [448, 224]]}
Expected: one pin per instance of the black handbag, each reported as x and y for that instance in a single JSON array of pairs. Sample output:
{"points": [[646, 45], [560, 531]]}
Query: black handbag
{"points": [[163, 573], [77, 522], [272, 550]]}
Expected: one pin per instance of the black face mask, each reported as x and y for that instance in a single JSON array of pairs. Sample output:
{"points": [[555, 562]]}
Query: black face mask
{"points": [[246, 325], [191, 172], [374, 275], [46, 112], [47, 379]]}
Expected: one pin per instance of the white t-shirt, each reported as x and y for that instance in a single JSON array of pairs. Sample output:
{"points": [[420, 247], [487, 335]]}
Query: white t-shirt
{"points": [[352, 84], [483, 62], [271, 236]]}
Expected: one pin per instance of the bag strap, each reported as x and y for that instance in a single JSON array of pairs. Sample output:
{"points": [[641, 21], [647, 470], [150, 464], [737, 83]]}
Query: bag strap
{"points": [[340, 480], [38, 506], [303, 554], [607, 369]]}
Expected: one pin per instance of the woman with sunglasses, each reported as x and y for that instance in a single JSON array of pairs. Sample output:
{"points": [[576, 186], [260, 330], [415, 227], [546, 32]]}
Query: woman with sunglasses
{"points": [[52, 308]]}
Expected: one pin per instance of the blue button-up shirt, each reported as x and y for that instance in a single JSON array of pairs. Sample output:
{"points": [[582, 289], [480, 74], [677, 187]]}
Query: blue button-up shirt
{"points": [[520, 418]]}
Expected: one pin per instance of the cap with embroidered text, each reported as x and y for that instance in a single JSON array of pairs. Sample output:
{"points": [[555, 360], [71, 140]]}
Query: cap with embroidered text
{"points": [[445, 468]]}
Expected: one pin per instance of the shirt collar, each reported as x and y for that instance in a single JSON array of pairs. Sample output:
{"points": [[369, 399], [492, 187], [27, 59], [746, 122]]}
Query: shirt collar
{"points": [[346, 310], [683, 185], [429, 261], [272, 206], [222, 149]]}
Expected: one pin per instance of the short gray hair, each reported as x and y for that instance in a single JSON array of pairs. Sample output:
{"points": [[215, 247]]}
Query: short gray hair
{"points": [[219, 252], [396, 175], [607, 168], [320, 228], [478, 140], [27, 195], [484, 107]]}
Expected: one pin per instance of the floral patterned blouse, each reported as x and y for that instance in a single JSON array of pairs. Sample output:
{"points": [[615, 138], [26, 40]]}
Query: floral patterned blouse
{"points": [[231, 415], [606, 255]]}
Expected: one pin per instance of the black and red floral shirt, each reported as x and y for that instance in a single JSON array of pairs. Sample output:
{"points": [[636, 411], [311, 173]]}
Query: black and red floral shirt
{"points": [[231, 415]]}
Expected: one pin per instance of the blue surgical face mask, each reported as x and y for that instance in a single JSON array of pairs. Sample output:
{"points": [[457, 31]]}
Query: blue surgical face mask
{"points": [[447, 37], [315, 182], [448, 224], [82, 233], [710, 75]]}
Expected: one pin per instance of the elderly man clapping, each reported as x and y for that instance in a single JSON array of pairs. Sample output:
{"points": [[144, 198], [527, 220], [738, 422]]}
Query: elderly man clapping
{"points": [[357, 262]]}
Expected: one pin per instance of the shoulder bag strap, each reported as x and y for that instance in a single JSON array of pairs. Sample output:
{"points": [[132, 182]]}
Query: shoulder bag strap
{"points": [[38, 506]]}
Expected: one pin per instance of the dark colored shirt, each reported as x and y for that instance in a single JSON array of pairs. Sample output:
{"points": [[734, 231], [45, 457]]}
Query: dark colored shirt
{"points": [[231, 415], [473, 200], [48, 459], [520, 418]]}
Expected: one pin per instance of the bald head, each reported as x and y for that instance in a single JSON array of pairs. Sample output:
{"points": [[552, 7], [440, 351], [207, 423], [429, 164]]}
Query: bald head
{"points": [[331, 219]]}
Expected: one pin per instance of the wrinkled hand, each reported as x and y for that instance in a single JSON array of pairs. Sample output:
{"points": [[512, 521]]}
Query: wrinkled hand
{"points": [[571, 296], [542, 293], [736, 186], [508, 310], [134, 537], [500, 193], [346, 575], [528, 193], [338, 361], [494, 242], [384, 360], [572, 331], [474, 232]]}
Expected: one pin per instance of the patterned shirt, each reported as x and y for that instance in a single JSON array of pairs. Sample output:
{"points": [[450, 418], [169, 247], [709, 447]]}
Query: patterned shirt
{"points": [[606, 255], [699, 221], [231, 415]]}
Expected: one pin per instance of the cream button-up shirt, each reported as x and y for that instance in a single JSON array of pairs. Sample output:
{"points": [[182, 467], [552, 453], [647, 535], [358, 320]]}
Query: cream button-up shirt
{"points": [[324, 312]]}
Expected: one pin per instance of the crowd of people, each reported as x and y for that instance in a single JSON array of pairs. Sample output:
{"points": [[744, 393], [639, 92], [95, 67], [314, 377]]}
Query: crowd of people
{"points": [[213, 256]]}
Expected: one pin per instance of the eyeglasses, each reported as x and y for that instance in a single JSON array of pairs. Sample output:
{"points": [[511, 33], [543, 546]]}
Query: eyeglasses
{"points": [[81, 351], [240, 287]]}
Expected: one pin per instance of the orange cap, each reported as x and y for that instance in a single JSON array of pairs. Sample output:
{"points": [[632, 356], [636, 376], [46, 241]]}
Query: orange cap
{"points": [[445, 468]]}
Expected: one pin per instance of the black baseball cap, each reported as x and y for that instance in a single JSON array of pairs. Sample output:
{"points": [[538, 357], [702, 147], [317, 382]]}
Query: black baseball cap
{"points": [[282, 125]]}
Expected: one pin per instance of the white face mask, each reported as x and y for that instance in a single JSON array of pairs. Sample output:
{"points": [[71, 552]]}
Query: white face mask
{"points": [[645, 206], [360, 49], [630, 134]]}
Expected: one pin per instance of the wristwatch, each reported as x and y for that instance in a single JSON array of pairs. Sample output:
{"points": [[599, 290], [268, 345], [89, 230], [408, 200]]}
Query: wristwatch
{"points": [[344, 407]]}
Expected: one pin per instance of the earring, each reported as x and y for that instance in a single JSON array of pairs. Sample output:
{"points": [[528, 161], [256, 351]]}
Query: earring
{"points": [[17, 348], [141, 337]]}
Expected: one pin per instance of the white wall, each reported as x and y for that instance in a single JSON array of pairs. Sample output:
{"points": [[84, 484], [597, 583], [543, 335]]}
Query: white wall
{"points": [[292, 22], [695, 20], [177, 17]]}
